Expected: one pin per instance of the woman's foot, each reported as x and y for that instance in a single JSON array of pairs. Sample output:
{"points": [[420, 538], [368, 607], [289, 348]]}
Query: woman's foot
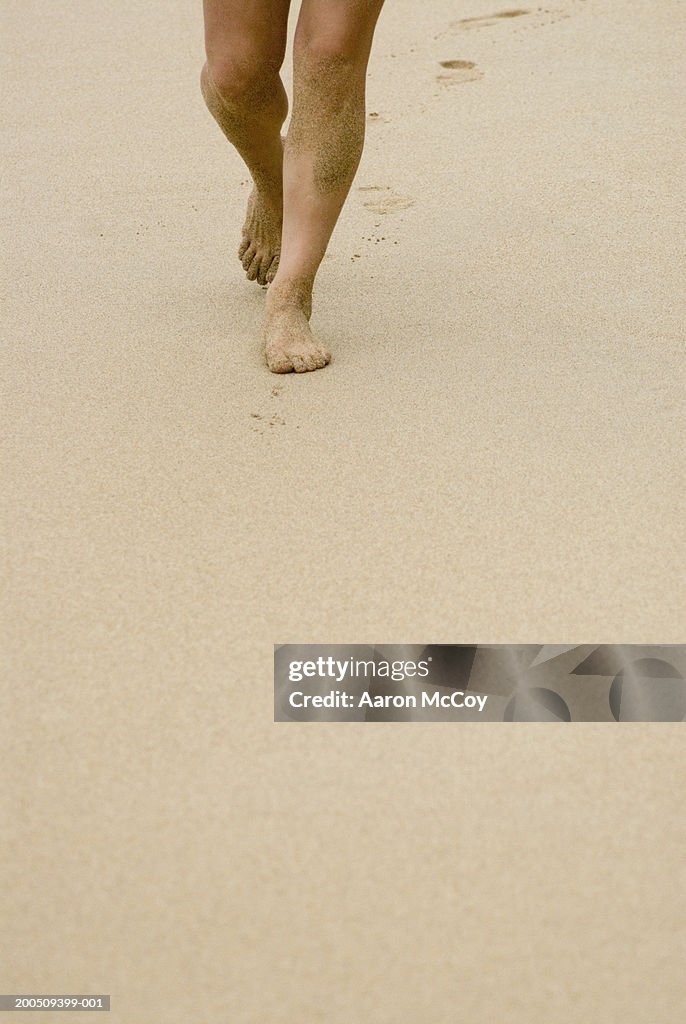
{"points": [[289, 344], [261, 243]]}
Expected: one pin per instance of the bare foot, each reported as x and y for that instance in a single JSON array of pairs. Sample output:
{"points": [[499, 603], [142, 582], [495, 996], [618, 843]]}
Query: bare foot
{"points": [[289, 344], [261, 244]]}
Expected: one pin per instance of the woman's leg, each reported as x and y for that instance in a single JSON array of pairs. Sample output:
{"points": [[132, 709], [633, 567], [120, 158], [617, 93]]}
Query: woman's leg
{"points": [[245, 44], [322, 151]]}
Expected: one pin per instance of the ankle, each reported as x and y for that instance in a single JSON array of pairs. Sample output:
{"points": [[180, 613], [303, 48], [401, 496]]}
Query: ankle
{"points": [[293, 293]]}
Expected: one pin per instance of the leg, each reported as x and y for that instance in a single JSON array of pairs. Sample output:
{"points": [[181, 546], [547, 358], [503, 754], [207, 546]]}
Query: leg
{"points": [[245, 45], [322, 151]]}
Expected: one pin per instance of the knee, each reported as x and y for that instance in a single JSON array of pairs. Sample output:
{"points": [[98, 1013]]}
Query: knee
{"points": [[240, 77], [331, 47]]}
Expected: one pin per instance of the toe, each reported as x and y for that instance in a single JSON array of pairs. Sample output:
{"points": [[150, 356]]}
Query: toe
{"points": [[247, 257], [253, 269], [244, 246], [317, 359], [278, 362], [300, 364], [272, 269], [309, 360], [262, 272]]}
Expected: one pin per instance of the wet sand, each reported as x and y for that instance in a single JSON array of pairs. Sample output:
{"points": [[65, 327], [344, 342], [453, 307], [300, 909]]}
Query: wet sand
{"points": [[493, 455]]}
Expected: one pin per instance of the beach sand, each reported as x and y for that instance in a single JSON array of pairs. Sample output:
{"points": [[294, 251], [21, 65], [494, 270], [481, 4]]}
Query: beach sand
{"points": [[492, 456]]}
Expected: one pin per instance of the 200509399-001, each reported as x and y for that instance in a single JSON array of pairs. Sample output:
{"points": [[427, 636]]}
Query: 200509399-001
{"points": [[31, 1003]]}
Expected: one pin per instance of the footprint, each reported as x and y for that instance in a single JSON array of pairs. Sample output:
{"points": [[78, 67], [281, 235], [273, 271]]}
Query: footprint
{"points": [[459, 71], [535, 18], [488, 19], [385, 200]]}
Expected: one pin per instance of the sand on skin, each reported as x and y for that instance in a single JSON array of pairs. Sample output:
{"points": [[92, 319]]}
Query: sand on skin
{"points": [[491, 456]]}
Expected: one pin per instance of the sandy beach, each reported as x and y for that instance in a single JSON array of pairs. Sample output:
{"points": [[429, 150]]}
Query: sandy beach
{"points": [[495, 454]]}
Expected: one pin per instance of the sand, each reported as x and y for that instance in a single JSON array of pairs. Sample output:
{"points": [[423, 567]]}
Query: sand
{"points": [[495, 454]]}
